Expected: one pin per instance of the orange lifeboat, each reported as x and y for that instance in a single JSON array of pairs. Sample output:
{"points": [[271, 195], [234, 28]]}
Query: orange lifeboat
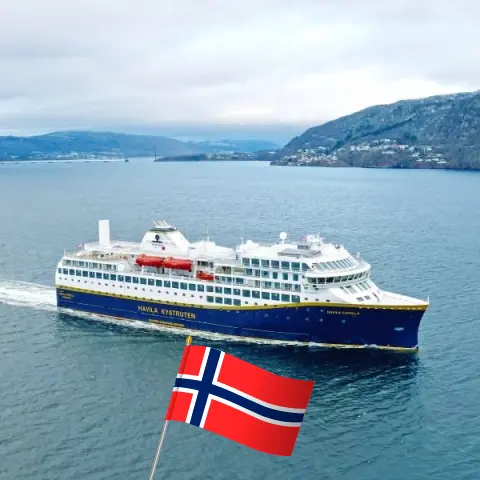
{"points": [[148, 261], [205, 276], [177, 263]]}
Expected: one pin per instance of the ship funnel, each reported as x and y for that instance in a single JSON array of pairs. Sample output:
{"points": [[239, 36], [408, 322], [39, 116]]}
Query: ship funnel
{"points": [[104, 233]]}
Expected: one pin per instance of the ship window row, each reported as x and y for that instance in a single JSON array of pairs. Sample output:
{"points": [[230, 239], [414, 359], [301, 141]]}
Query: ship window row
{"points": [[231, 280], [91, 265], [265, 284], [328, 280], [358, 287], [250, 272], [254, 294], [176, 284], [336, 264], [256, 262]]}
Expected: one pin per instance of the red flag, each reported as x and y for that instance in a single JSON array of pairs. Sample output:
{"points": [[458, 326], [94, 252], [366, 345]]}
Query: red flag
{"points": [[233, 398]]}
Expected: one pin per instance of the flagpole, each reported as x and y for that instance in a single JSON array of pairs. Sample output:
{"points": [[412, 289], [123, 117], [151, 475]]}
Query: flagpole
{"points": [[159, 449], [164, 431]]}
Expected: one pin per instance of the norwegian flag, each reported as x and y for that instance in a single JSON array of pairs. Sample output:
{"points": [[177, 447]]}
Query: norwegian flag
{"points": [[240, 401]]}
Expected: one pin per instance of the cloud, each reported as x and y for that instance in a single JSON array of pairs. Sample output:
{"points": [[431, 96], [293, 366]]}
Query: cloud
{"points": [[98, 63]]}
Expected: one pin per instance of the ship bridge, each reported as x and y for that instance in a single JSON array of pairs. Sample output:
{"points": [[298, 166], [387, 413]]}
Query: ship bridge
{"points": [[163, 236]]}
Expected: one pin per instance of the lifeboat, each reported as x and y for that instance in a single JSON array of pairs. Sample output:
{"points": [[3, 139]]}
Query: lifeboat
{"points": [[205, 276], [148, 261], [177, 263]]}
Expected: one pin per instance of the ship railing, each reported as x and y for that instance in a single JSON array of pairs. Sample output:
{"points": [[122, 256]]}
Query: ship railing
{"points": [[402, 299], [96, 255]]}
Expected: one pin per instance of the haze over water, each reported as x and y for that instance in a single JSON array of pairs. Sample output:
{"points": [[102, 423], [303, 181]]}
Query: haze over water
{"points": [[84, 398]]}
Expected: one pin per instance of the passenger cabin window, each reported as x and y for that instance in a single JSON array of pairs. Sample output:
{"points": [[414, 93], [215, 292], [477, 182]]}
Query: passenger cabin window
{"points": [[275, 264], [255, 262], [286, 265], [246, 262], [265, 263]]}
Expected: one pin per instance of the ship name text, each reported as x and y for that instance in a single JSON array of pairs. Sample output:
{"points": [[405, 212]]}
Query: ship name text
{"points": [[166, 312]]}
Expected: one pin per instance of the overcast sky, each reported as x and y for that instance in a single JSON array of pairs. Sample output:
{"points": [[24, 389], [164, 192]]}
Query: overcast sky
{"points": [[146, 63]]}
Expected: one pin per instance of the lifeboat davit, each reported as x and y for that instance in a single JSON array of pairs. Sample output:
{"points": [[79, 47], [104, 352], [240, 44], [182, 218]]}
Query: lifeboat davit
{"points": [[178, 263], [205, 276], [148, 261]]}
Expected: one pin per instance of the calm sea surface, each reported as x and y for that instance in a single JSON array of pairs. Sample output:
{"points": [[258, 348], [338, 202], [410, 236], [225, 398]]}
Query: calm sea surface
{"points": [[84, 399]]}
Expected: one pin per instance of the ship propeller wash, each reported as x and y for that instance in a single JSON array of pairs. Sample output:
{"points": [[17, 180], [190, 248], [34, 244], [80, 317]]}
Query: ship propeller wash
{"points": [[310, 291]]}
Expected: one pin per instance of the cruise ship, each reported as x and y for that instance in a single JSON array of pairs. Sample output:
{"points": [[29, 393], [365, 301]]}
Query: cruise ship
{"points": [[308, 291]]}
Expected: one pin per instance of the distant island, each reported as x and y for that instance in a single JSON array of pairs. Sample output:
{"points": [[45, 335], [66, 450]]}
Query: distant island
{"points": [[441, 132], [75, 145], [263, 155]]}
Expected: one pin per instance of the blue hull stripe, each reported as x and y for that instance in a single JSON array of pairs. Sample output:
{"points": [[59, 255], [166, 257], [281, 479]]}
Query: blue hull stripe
{"points": [[325, 324]]}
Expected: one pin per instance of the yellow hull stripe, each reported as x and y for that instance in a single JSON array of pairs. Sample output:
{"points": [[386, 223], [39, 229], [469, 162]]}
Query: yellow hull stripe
{"points": [[266, 340], [355, 306]]}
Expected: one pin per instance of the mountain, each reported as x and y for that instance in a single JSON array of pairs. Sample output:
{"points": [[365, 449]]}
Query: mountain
{"points": [[78, 143], [81, 144], [435, 132]]}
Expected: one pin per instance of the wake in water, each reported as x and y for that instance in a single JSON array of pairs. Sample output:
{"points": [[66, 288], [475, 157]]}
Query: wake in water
{"points": [[42, 297], [26, 294]]}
